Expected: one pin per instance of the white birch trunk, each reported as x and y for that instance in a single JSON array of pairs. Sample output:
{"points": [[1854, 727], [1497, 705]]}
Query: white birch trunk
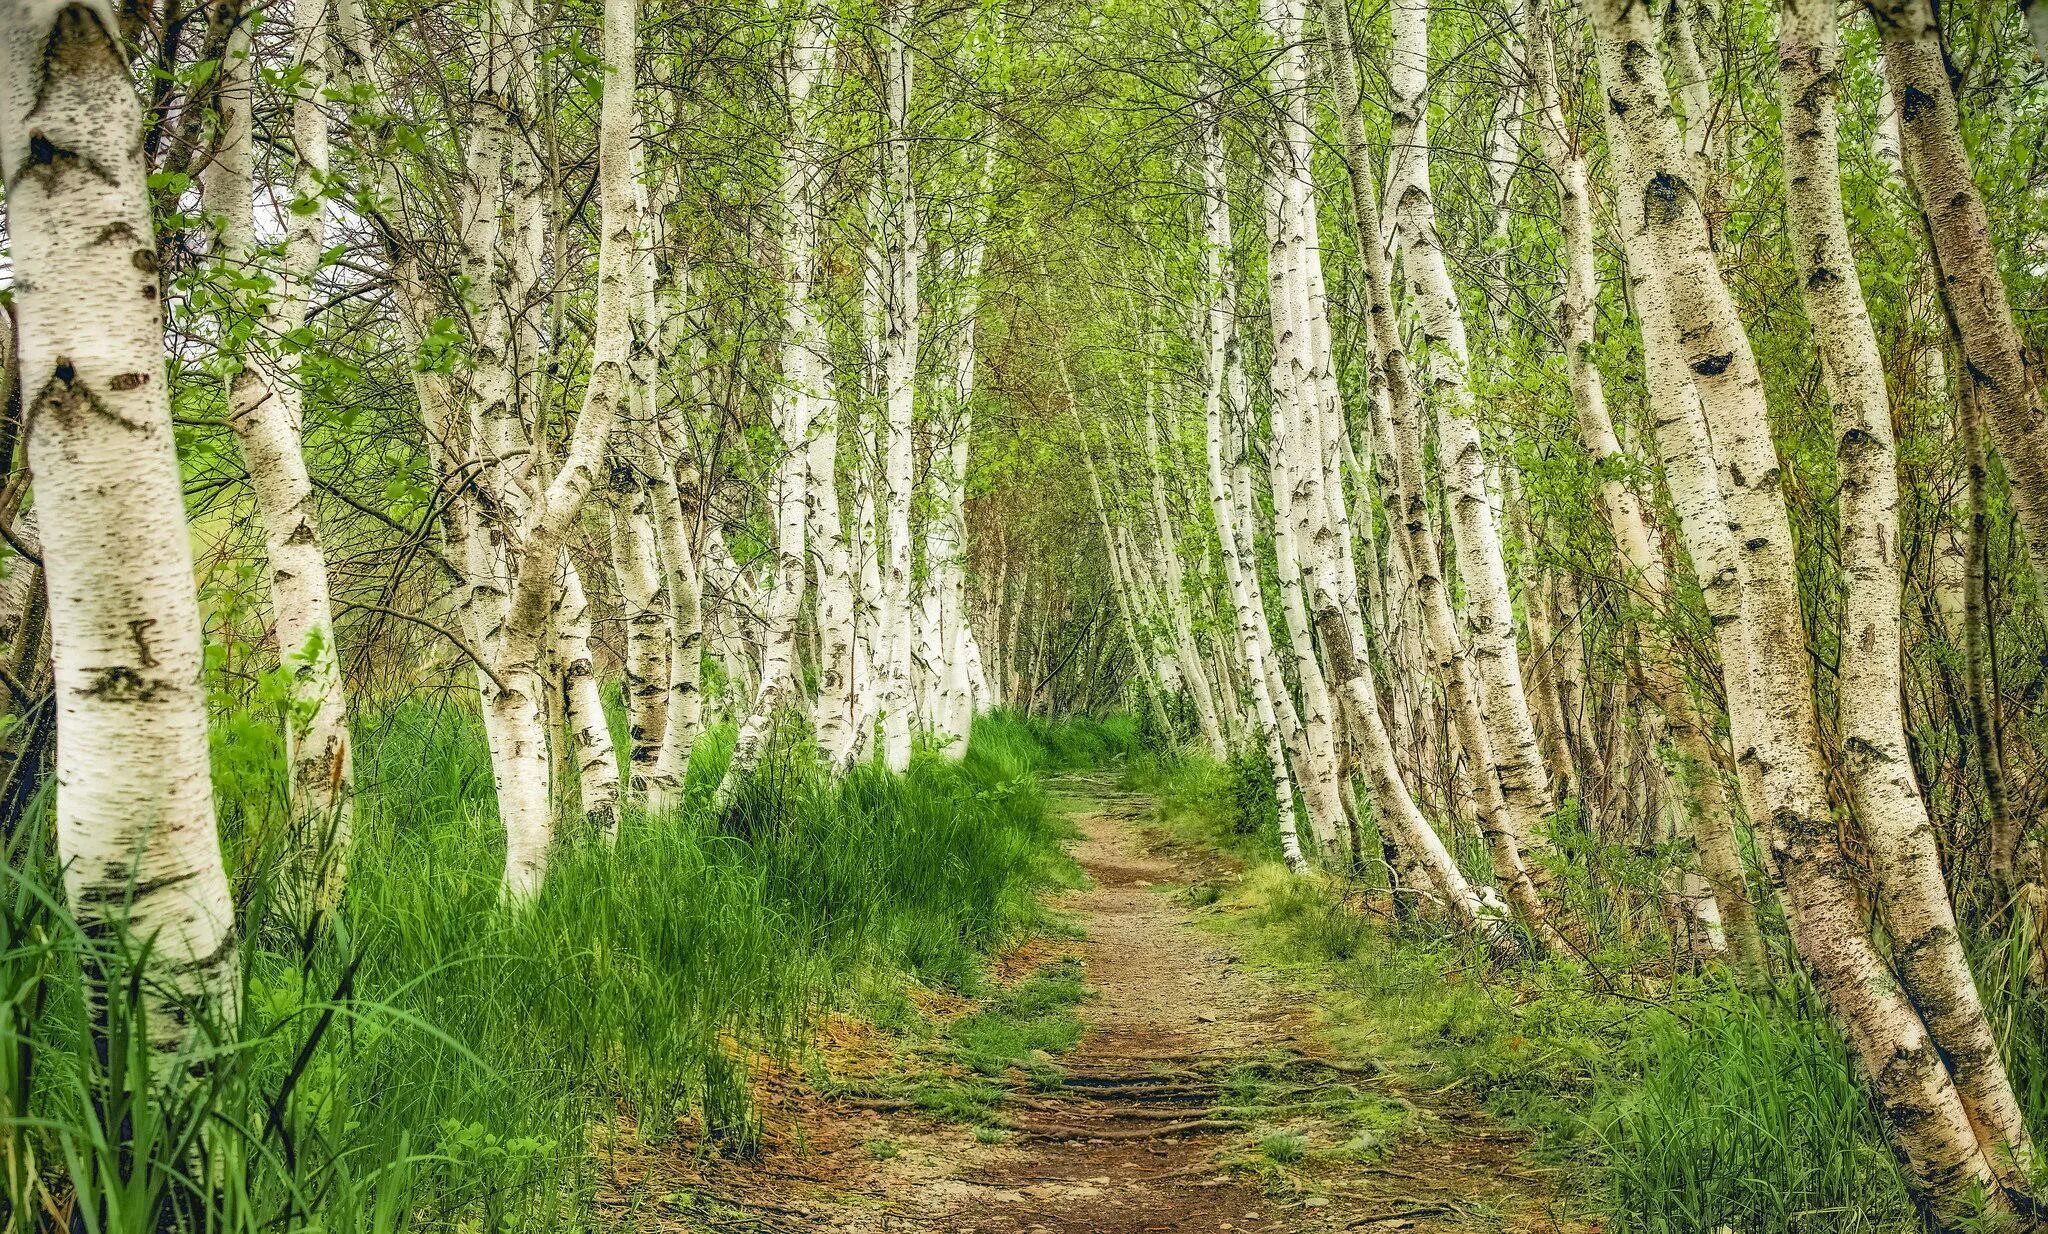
{"points": [[685, 719], [1414, 531], [798, 398], [1493, 655], [1221, 389], [590, 734], [1173, 586], [521, 762], [1627, 518], [904, 248], [833, 559], [135, 821], [1966, 259], [870, 643], [1927, 947], [266, 413], [646, 610], [1929, 1124]]}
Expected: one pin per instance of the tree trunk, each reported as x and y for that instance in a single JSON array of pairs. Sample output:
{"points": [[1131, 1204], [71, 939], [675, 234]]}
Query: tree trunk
{"points": [[1224, 386], [1927, 946], [1965, 259], [904, 252], [1713, 822], [266, 413], [135, 821], [524, 797], [1930, 1127], [1492, 654], [1413, 527]]}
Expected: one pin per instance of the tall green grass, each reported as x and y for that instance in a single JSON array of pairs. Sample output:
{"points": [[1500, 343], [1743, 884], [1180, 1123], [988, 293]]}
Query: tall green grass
{"points": [[436, 1062], [1733, 1112]]}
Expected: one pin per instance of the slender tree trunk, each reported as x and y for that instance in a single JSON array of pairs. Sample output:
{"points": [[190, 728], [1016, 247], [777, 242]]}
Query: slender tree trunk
{"points": [[1713, 821], [685, 719], [833, 559], [797, 401], [266, 413], [1173, 586], [1221, 293], [649, 632], [590, 733], [904, 252], [1413, 529], [1929, 1124], [524, 797], [1927, 946], [1495, 661], [1965, 259]]}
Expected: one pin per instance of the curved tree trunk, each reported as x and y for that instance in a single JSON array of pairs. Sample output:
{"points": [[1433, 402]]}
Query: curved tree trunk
{"points": [[266, 413], [904, 249], [1495, 661], [1965, 259], [1411, 515], [590, 733], [1929, 1125], [1713, 821], [1927, 947]]}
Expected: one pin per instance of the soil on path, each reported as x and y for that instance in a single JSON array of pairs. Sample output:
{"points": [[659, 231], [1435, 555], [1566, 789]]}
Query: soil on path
{"points": [[1148, 1132]]}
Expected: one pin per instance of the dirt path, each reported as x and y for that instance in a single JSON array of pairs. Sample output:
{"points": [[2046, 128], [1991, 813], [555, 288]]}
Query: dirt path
{"points": [[1197, 1100]]}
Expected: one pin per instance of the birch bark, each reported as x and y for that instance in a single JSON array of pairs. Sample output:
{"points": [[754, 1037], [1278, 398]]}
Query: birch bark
{"points": [[1413, 525], [1224, 396], [904, 249], [1713, 823], [644, 596], [1930, 1127], [1927, 948], [524, 796], [1517, 759], [946, 524], [802, 389], [266, 413], [590, 733], [135, 820], [1173, 589], [1965, 258]]}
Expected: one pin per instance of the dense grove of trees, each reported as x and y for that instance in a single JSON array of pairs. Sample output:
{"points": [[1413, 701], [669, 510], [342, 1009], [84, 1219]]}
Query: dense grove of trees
{"points": [[1511, 432]]}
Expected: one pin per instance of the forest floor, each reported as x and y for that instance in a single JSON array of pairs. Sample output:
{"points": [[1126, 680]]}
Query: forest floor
{"points": [[1198, 1096]]}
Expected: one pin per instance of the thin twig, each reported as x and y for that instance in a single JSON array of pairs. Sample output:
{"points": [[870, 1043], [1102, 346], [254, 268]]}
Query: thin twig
{"points": [[443, 631]]}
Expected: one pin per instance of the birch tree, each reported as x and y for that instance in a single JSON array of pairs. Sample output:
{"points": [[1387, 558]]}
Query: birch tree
{"points": [[1516, 758], [1415, 531], [1927, 946], [1943, 1158], [135, 817], [902, 255], [521, 755], [1635, 535], [797, 405], [266, 412]]}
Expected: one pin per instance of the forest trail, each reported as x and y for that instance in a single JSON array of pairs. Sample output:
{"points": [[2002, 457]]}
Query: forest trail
{"points": [[1196, 1074]]}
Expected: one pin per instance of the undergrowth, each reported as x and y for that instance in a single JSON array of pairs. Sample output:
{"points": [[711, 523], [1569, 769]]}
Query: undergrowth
{"points": [[1684, 1105], [436, 1061]]}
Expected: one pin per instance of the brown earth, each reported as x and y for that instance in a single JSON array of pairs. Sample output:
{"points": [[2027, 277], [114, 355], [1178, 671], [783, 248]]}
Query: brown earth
{"points": [[1148, 1133]]}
